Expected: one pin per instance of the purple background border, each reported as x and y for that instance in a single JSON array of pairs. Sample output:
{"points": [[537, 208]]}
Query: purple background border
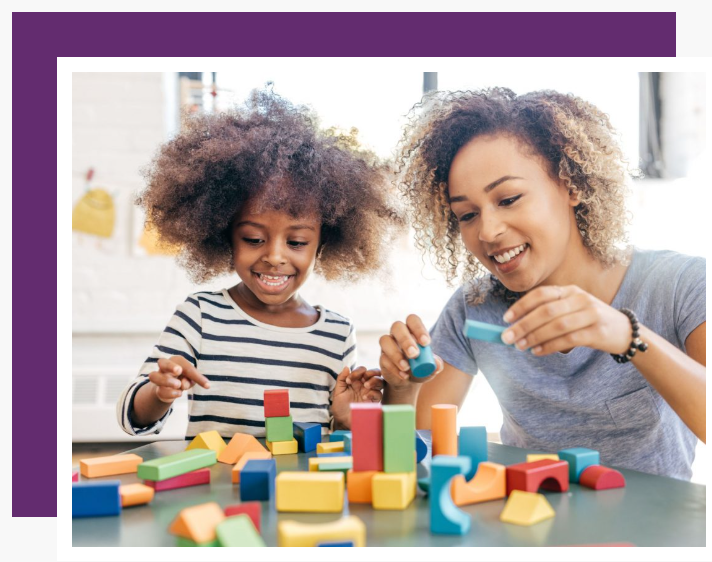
{"points": [[39, 38]]}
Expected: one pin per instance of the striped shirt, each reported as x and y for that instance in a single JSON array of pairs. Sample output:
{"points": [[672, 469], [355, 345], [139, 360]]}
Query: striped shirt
{"points": [[242, 357]]}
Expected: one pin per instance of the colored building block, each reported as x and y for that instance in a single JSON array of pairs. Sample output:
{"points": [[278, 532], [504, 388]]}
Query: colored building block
{"points": [[310, 491], [290, 447], [327, 455], [109, 466], [252, 455], [175, 465], [344, 464], [308, 435], [489, 483], [135, 494], [182, 541], [331, 447], [347, 443], [279, 429], [579, 458], [526, 508], [316, 462], [208, 440], [599, 477], [194, 478], [294, 533], [530, 476], [472, 443], [347, 543], [367, 436], [445, 517], [276, 403], [392, 490], [421, 448], [444, 429], [424, 484], [238, 530], [252, 509], [75, 476], [240, 444], [424, 365], [398, 441], [539, 457], [257, 480], [198, 522], [338, 435], [484, 332], [359, 486], [94, 499]]}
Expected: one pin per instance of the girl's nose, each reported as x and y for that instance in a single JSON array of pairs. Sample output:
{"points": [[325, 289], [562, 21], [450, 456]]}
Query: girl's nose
{"points": [[274, 255]]}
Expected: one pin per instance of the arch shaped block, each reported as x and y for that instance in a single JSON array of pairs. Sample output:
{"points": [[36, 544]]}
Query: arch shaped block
{"points": [[489, 483], [294, 533], [599, 477], [530, 476], [445, 517]]}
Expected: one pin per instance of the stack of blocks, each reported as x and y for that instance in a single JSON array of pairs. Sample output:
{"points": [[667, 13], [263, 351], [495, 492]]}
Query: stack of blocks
{"points": [[278, 423]]}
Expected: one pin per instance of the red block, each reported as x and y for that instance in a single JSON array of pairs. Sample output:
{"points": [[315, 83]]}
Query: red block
{"points": [[75, 477], [252, 509], [195, 478], [276, 403], [367, 436], [600, 477], [530, 476]]}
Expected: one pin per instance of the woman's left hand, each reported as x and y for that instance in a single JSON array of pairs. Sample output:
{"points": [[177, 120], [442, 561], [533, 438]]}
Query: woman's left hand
{"points": [[552, 318]]}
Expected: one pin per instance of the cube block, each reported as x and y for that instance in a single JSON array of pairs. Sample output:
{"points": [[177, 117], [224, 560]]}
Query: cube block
{"points": [[263, 455], [94, 499], [279, 429], [257, 480], [392, 490], [579, 458], [359, 486], [276, 403]]}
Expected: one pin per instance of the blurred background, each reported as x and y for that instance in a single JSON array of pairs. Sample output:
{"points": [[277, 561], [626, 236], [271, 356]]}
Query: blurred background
{"points": [[125, 288]]}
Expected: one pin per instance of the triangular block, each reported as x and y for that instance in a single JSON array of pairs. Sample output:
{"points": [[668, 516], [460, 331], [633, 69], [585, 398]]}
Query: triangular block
{"points": [[198, 523], [208, 440], [240, 444], [526, 508], [489, 483]]}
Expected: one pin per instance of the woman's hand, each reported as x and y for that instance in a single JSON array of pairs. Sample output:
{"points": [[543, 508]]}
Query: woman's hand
{"points": [[359, 385], [175, 375], [552, 318]]}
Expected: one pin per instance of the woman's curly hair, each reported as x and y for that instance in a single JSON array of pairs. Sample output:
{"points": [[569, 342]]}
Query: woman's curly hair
{"points": [[576, 140], [271, 152]]}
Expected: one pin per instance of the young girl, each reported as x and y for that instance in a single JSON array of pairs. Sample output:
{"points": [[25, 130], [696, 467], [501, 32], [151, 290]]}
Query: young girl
{"points": [[524, 196], [262, 192]]}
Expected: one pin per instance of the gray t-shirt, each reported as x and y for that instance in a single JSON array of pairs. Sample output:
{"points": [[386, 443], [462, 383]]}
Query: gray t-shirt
{"points": [[584, 398]]}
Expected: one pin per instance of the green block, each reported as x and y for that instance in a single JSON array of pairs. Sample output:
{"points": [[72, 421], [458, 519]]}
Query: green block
{"points": [[175, 465], [238, 530], [343, 466], [398, 438], [279, 429], [182, 541]]}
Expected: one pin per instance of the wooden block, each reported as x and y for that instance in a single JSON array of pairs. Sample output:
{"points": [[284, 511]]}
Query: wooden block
{"points": [[135, 494], [283, 447], [338, 435], [367, 436], [312, 491], [541, 457], [393, 490], [256, 455], [294, 533], [257, 480], [240, 444], [194, 478], [316, 462], [252, 509], [175, 465], [359, 486], [276, 403], [484, 332], [346, 543], [279, 429], [445, 517], [472, 443], [94, 499], [530, 476], [343, 464], [489, 483], [599, 477], [182, 541], [331, 447], [444, 429], [308, 435], [208, 440], [398, 438], [75, 476], [421, 448], [109, 466], [338, 454], [347, 443], [526, 508], [198, 522], [238, 530], [579, 458], [424, 365], [424, 484]]}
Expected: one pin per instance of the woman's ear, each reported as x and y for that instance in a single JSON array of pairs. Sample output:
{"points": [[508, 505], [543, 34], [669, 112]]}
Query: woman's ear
{"points": [[573, 197]]}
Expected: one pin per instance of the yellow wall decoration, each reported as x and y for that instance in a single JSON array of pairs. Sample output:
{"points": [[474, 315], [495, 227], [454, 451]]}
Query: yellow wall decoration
{"points": [[94, 213], [151, 242]]}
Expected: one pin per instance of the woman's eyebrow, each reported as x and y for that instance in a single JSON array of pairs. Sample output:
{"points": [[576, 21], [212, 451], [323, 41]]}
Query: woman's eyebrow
{"points": [[488, 188]]}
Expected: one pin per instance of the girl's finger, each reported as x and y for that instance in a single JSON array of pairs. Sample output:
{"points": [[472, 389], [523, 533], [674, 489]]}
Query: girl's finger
{"points": [[164, 380], [374, 383], [191, 372], [374, 396], [167, 395], [168, 366]]}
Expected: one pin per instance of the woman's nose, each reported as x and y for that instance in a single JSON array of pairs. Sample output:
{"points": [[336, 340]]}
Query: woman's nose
{"points": [[491, 227]]}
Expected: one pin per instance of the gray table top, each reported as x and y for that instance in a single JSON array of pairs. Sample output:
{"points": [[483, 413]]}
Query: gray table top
{"points": [[649, 511]]}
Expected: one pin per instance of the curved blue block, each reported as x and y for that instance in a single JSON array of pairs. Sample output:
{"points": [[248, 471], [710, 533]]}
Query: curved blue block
{"points": [[445, 517], [423, 365], [421, 449]]}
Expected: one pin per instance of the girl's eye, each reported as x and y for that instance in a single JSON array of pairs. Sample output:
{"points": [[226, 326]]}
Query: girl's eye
{"points": [[253, 241], [509, 201], [296, 244]]}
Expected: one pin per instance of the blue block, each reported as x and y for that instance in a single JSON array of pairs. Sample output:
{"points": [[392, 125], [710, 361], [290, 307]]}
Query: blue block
{"points": [[339, 435], [424, 365], [579, 458], [347, 443], [472, 443], [445, 517], [257, 480], [308, 435], [338, 454], [424, 484], [485, 332], [345, 543], [421, 449], [92, 499]]}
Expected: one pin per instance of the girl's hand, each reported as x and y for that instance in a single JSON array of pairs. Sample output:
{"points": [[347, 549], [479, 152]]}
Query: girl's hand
{"points": [[359, 385], [553, 318], [175, 375]]}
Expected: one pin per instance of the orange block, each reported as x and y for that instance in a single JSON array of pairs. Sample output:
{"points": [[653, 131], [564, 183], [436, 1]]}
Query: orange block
{"points": [[240, 444], [488, 483], [444, 429], [135, 494], [359, 485], [198, 523], [250, 455], [109, 466]]}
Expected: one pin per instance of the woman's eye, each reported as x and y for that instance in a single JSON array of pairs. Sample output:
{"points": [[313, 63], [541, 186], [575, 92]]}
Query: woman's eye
{"points": [[253, 241], [466, 217], [508, 202]]}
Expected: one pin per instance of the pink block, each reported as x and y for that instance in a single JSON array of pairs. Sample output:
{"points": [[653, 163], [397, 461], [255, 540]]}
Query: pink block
{"points": [[75, 476], [252, 509], [195, 478]]}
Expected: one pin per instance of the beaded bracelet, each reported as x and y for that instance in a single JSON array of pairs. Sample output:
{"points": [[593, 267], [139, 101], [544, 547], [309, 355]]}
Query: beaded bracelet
{"points": [[636, 344]]}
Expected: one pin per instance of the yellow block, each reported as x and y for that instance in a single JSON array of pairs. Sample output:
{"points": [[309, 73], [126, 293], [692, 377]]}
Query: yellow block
{"points": [[314, 462], [393, 490], [526, 508], [532, 458], [109, 466], [135, 494], [488, 483], [208, 440], [332, 447], [293, 533], [259, 455], [283, 447], [310, 491]]}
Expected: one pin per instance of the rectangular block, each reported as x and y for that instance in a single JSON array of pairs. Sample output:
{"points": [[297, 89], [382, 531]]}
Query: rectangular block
{"points": [[135, 494], [194, 478], [343, 464], [398, 438], [347, 443], [331, 447], [94, 499], [243, 460], [359, 486], [109, 466], [175, 465], [316, 462], [279, 429], [308, 435], [393, 490], [257, 480], [367, 436], [182, 541], [327, 455], [240, 444], [290, 447], [238, 530], [347, 543], [321, 492], [472, 443], [75, 476], [339, 435], [252, 509], [540, 457], [295, 533], [276, 403]]}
